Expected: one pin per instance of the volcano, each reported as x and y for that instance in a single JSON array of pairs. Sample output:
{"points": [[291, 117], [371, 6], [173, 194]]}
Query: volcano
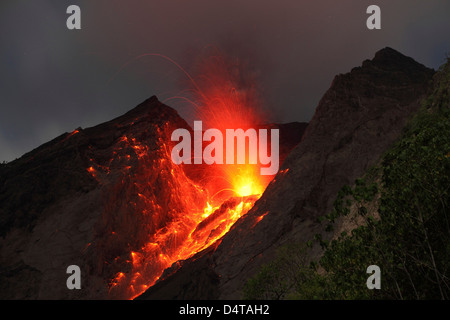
{"points": [[360, 116], [110, 200]]}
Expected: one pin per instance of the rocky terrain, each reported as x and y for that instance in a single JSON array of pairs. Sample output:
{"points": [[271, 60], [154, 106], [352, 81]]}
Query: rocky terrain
{"points": [[93, 196], [357, 119], [80, 198]]}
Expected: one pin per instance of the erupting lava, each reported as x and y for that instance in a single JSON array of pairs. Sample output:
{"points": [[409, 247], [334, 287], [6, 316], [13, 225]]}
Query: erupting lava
{"points": [[225, 99]]}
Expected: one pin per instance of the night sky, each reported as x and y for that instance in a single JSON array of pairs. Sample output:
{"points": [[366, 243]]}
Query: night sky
{"points": [[53, 80]]}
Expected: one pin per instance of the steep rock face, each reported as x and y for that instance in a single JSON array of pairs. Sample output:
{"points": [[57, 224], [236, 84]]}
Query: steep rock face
{"points": [[81, 199], [357, 119], [290, 135], [98, 198]]}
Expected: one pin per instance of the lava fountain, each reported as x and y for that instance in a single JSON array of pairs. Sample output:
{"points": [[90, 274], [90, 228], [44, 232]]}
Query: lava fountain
{"points": [[204, 200]]}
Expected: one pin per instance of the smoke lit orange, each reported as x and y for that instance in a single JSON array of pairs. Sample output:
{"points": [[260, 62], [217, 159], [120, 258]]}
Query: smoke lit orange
{"points": [[224, 101]]}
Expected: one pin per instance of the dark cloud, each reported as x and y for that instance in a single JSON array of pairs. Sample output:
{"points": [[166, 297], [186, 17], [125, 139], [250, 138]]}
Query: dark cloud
{"points": [[53, 80]]}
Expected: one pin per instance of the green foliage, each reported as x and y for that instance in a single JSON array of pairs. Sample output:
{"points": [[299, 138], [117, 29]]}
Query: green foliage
{"points": [[288, 276], [409, 238], [440, 96], [346, 271]]}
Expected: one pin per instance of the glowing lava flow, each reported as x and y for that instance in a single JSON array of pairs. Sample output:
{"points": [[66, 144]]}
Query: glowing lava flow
{"points": [[175, 235], [183, 238], [231, 190]]}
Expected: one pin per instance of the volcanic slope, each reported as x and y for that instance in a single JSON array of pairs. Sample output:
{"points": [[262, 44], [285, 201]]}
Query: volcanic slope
{"points": [[360, 116], [107, 199], [89, 198]]}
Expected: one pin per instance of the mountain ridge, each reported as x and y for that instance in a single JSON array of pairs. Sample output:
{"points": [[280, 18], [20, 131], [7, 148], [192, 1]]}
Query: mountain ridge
{"points": [[357, 119], [77, 199]]}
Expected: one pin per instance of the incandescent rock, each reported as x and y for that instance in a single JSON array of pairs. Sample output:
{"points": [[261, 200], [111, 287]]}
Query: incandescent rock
{"points": [[80, 198], [95, 198], [357, 119]]}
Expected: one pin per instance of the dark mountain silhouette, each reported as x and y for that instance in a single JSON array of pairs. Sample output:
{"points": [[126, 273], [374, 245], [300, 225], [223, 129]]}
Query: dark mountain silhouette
{"points": [[357, 119], [80, 198]]}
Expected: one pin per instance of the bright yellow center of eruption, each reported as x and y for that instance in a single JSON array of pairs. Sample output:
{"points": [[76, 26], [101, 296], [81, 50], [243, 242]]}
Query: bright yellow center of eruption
{"points": [[246, 181], [248, 188]]}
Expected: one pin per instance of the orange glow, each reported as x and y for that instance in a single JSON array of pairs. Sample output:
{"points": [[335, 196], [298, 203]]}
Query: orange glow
{"points": [[74, 132], [225, 96], [246, 180], [258, 219], [179, 241], [229, 192], [91, 170]]}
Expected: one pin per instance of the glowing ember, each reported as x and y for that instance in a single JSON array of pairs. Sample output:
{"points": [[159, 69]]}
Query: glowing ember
{"points": [[168, 245], [228, 194]]}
